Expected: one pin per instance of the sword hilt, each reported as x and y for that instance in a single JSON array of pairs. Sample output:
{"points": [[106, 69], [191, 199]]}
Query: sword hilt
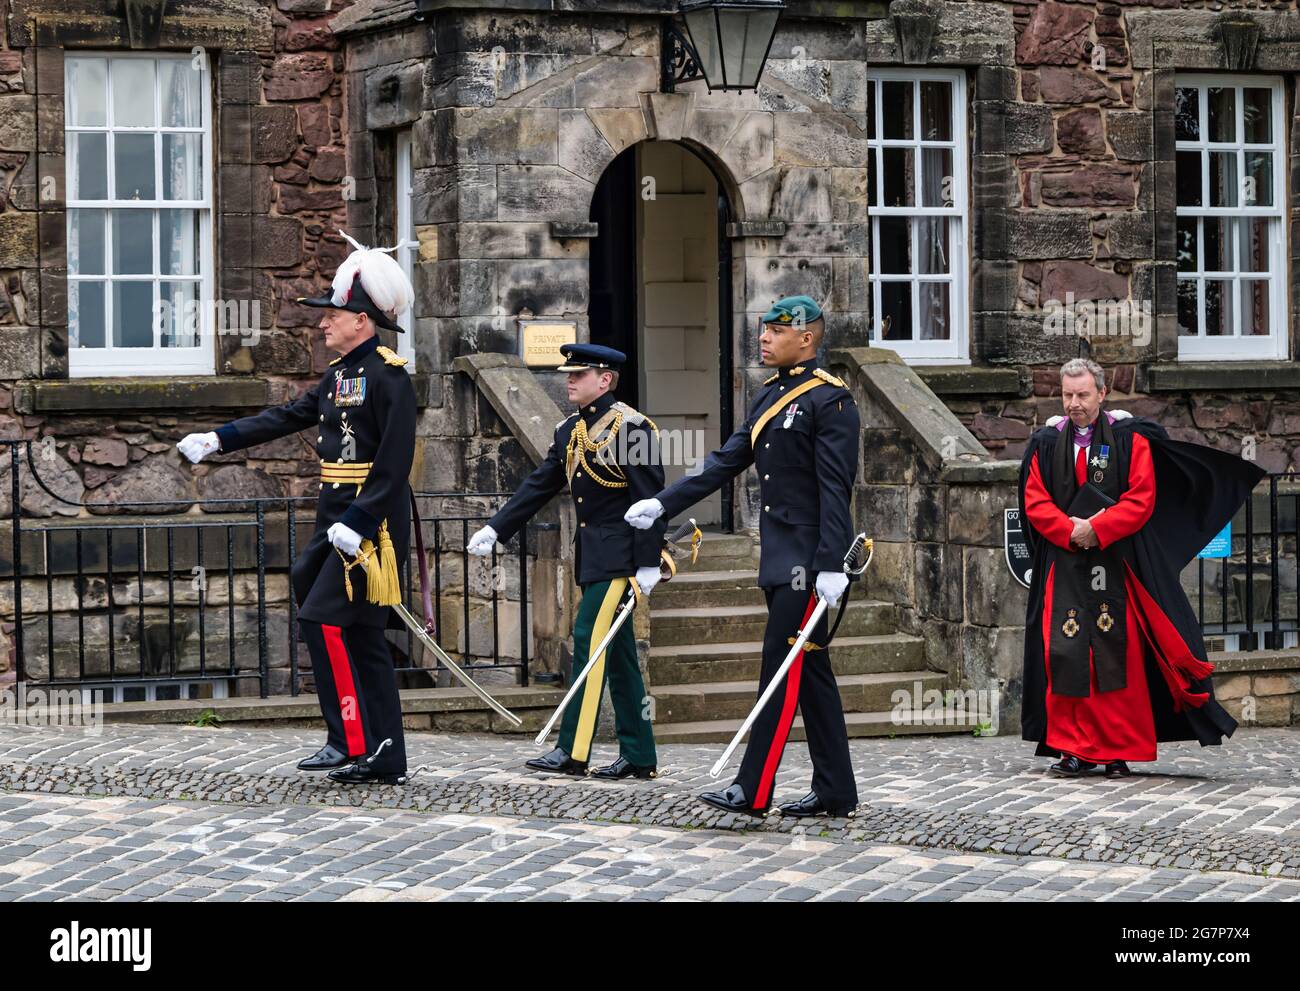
{"points": [[861, 543]]}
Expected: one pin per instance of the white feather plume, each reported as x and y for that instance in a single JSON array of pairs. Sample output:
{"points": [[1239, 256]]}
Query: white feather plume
{"points": [[381, 277]]}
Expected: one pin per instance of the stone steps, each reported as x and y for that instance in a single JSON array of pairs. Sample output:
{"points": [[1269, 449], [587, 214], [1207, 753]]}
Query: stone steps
{"points": [[710, 588], [859, 724], [722, 552], [697, 663], [702, 624], [734, 699]]}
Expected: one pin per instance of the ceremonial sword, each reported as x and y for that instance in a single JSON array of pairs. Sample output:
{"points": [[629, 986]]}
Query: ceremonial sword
{"points": [[853, 570], [624, 611]]}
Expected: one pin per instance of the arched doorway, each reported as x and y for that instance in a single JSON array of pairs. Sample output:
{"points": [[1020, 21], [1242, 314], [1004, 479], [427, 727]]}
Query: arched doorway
{"points": [[661, 293]]}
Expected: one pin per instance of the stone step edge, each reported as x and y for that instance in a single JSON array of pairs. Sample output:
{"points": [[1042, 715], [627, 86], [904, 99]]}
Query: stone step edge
{"points": [[742, 649], [750, 688]]}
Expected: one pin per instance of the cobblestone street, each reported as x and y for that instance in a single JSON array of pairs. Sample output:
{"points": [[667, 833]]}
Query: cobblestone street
{"points": [[188, 813]]}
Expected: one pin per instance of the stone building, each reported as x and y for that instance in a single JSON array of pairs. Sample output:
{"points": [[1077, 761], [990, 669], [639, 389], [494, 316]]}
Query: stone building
{"points": [[983, 188]]}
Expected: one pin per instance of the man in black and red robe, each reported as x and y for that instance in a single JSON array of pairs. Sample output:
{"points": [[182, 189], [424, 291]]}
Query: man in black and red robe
{"points": [[1113, 510]]}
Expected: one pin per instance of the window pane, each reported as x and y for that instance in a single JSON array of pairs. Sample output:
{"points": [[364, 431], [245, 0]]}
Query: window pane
{"points": [[86, 242], [182, 160], [1252, 246], [1258, 187], [1218, 246], [932, 249], [896, 108], [1223, 178], [133, 314], [178, 242], [179, 315], [178, 92], [1188, 178], [1187, 110], [133, 92], [1187, 308], [1186, 244], [871, 110], [895, 245], [937, 177], [86, 314], [1223, 113], [896, 311], [936, 111], [1218, 308], [88, 166], [1257, 115], [873, 173], [936, 319], [133, 165], [86, 85], [132, 242], [899, 176], [1254, 307]]}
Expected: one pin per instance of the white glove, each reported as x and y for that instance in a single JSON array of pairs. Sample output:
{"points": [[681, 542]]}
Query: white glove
{"points": [[831, 585], [643, 514], [1121, 414], [344, 538], [196, 447], [1054, 420], [647, 579], [481, 544]]}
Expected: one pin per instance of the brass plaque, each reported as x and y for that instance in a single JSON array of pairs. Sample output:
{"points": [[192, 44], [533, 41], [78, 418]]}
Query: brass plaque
{"points": [[541, 340]]}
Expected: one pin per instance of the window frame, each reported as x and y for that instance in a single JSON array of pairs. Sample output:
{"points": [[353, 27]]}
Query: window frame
{"points": [[956, 349], [111, 361], [1237, 347], [404, 229]]}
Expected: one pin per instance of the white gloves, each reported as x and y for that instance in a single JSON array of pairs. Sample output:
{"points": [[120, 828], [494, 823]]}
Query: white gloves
{"points": [[831, 585], [647, 579], [344, 538], [643, 514], [481, 544], [196, 447], [1054, 420]]}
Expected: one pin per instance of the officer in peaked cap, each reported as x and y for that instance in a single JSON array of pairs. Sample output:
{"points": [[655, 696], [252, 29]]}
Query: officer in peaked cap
{"points": [[608, 455], [345, 580], [801, 434]]}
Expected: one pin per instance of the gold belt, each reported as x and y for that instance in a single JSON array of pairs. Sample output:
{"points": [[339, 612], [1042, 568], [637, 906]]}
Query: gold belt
{"points": [[348, 473]]}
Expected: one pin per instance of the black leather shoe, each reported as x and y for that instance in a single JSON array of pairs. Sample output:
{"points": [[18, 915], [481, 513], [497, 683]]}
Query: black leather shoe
{"points": [[811, 805], [732, 800], [558, 762], [362, 773], [1117, 769], [1071, 767], [325, 759], [622, 768]]}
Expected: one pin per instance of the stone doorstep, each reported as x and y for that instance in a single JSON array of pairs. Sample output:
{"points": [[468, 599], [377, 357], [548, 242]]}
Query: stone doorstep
{"points": [[237, 710]]}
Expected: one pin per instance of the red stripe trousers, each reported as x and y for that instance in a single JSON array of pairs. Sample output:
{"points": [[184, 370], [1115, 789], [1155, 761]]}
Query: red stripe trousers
{"points": [[810, 688]]}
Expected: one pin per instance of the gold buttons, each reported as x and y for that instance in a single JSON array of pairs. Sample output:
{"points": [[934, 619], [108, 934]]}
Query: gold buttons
{"points": [[340, 461], [782, 389], [335, 484], [577, 474], [582, 524], [319, 439], [580, 498], [322, 418], [591, 409], [766, 508], [766, 477], [344, 414], [767, 445]]}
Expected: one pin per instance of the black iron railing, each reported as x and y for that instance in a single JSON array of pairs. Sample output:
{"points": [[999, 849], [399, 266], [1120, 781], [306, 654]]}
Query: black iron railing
{"points": [[177, 604]]}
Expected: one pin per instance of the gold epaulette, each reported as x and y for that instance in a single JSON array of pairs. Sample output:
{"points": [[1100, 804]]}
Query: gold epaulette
{"points": [[771, 378], [390, 356], [826, 376], [635, 416], [336, 361]]}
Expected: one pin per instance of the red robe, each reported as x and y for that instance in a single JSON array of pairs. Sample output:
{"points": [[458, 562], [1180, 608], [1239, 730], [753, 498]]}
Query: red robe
{"points": [[1119, 724]]}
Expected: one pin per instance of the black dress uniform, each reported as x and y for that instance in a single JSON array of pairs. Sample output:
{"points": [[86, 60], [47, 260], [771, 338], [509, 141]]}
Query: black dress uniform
{"points": [[364, 413], [607, 453], [802, 434]]}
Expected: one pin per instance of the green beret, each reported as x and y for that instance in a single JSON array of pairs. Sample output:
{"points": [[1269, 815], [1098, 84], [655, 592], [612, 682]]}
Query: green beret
{"points": [[793, 309]]}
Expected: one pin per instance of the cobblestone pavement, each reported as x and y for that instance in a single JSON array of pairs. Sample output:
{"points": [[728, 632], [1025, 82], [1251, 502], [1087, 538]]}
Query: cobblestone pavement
{"points": [[179, 812]]}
